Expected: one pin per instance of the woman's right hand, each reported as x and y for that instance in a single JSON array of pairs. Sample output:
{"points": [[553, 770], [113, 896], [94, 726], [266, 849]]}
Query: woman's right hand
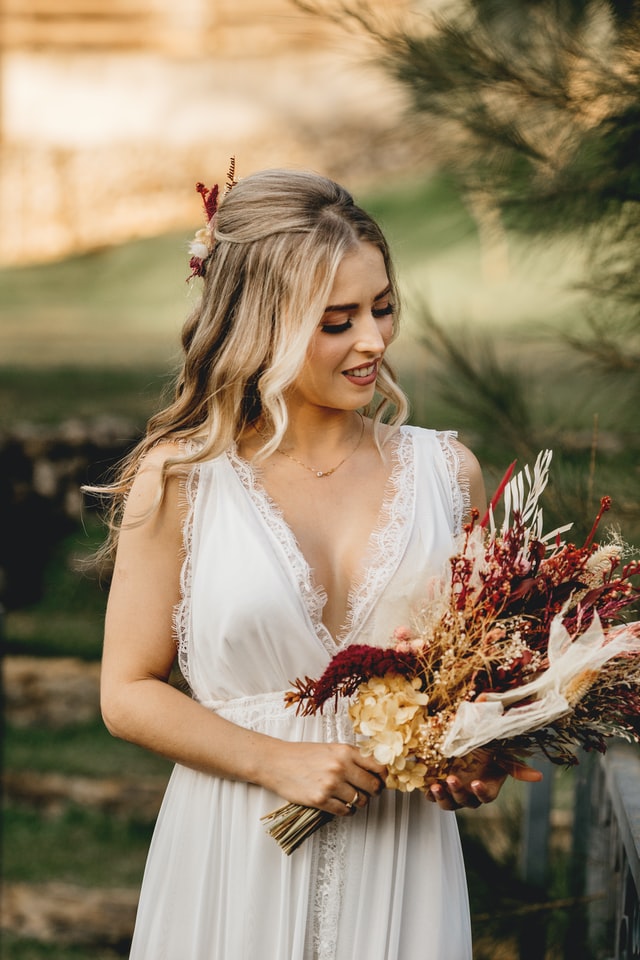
{"points": [[333, 777]]}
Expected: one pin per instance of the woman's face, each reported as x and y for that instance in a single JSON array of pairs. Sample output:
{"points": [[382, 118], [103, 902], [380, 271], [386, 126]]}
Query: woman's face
{"points": [[345, 352]]}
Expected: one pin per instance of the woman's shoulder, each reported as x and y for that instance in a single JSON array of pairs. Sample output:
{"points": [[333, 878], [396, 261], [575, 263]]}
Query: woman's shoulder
{"points": [[441, 438], [463, 465], [156, 487], [178, 456], [173, 459], [161, 453]]}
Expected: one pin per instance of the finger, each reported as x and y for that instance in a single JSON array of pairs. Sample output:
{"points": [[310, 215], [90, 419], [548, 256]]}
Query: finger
{"points": [[514, 768], [371, 783], [443, 797], [372, 766], [464, 796], [355, 800], [362, 799], [525, 773], [342, 809], [486, 791]]}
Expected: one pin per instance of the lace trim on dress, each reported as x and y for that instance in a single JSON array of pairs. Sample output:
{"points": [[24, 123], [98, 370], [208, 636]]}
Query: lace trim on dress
{"points": [[314, 596], [458, 481], [388, 538], [182, 610], [253, 712], [385, 546], [330, 855]]}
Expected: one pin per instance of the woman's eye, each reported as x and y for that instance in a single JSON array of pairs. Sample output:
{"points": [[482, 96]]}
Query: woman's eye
{"points": [[385, 311], [336, 327]]}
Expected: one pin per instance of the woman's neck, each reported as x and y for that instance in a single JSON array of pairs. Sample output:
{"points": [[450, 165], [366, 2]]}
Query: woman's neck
{"points": [[316, 432]]}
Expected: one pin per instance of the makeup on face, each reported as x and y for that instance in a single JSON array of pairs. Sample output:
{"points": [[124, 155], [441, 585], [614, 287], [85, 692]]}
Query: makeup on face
{"points": [[346, 350]]}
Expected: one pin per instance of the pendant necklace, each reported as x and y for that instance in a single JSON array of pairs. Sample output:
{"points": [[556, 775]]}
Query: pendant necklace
{"points": [[314, 470]]}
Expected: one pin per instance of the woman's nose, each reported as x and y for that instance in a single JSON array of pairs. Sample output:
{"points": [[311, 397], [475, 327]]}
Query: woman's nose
{"points": [[370, 336]]}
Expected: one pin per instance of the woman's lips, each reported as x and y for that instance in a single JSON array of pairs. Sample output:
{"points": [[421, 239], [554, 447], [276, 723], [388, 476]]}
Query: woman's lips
{"points": [[363, 375]]}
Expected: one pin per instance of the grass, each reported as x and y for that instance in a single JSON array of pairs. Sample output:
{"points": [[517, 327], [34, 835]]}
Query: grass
{"points": [[422, 218], [49, 395], [80, 846], [36, 633], [17, 948], [121, 305], [97, 334], [67, 620], [82, 750]]}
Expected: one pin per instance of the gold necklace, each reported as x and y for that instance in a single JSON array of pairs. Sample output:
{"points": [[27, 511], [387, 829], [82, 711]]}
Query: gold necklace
{"points": [[314, 470]]}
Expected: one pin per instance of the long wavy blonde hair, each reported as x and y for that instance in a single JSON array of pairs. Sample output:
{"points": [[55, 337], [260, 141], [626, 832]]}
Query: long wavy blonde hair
{"points": [[280, 236]]}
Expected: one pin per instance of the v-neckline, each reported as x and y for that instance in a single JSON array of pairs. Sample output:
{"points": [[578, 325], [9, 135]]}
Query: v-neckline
{"points": [[382, 554]]}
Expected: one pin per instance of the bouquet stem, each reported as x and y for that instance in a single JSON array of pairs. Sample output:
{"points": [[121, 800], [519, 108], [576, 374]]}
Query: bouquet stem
{"points": [[292, 823]]}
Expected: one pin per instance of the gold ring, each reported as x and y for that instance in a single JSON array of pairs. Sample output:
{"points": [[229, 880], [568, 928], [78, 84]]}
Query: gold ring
{"points": [[356, 797]]}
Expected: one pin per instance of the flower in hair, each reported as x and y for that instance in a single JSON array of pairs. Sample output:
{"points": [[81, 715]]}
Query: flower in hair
{"points": [[201, 247]]}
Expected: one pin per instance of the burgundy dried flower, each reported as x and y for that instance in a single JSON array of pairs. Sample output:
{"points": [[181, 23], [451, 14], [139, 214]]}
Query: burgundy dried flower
{"points": [[347, 670], [209, 199]]}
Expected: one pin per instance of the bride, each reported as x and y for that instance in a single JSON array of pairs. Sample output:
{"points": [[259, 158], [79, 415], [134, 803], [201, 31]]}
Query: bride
{"points": [[276, 511]]}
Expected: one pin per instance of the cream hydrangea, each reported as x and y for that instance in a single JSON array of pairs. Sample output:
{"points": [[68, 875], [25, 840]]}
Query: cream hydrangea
{"points": [[388, 712]]}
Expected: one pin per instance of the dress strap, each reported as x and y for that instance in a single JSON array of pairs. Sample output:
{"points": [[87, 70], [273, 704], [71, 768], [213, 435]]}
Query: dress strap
{"points": [[458, 481], [182, 610]]}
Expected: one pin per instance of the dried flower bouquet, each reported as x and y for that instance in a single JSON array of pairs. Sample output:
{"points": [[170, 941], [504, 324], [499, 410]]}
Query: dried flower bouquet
{"points": [[519, 649]]}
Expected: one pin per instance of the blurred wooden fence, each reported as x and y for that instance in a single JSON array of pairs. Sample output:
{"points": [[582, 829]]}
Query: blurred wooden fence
{"points": [[612, 862], [111, 109], [188, 28], [604, 873]]}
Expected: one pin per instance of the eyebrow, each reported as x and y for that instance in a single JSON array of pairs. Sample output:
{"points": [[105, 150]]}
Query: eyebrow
{"points": [[342, 307]]}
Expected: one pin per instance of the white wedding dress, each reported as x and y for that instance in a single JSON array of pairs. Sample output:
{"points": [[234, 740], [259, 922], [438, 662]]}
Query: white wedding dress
{"points": [[385, 884]]}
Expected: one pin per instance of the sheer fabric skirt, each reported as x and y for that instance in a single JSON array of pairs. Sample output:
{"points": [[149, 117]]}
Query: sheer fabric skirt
{"points": [[387, 883]]}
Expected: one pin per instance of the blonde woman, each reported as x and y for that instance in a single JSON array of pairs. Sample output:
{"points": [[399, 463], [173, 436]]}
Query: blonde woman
{"points": [[270, 517]]}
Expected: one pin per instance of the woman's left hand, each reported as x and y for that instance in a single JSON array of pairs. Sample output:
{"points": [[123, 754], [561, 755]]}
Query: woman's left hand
{"points": [[477, 779]]}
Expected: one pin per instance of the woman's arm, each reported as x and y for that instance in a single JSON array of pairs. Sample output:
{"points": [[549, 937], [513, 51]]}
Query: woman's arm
{"points": [[139, 705]]}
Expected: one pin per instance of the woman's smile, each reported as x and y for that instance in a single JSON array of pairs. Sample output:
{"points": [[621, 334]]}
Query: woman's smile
{"points": [[344, 356], [363, 375]]}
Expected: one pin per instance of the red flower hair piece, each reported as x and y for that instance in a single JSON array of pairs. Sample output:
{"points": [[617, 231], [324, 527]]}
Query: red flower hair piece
{"points": [[209, 199], [201, 247]]}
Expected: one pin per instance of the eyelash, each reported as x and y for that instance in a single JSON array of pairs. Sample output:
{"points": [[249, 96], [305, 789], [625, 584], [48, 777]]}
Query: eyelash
{"points": [[336, 327], [343, 327]]}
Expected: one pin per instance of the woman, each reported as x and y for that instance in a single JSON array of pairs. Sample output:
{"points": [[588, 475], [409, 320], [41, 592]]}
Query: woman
{"points": [[271, 517]]}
